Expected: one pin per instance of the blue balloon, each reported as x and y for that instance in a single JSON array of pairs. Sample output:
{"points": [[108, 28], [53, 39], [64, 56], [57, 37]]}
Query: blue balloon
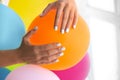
{"points": [[3, 73], [12, 29]]}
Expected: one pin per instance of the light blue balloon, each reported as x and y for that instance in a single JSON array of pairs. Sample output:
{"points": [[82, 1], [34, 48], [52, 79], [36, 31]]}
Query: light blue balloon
{"points": [[11, 29], [3, 73]]}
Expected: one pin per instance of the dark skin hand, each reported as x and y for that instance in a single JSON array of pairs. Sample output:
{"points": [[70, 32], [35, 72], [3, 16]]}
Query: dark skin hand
{"points": [[31, 54], [70, 14], [48, 53]]}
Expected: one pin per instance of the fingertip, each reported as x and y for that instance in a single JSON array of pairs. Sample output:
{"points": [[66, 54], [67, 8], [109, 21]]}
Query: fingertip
{"points": [[62, 31], [41, 14], [61, 54], [29, 34], [58, 44], [57, 60], [35, 28], [56, 28], [74, 26], [63, 49], [67, 30]]}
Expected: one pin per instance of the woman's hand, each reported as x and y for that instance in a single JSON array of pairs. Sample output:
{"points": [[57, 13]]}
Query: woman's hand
{"points": [[70, 14], [42, 54]]}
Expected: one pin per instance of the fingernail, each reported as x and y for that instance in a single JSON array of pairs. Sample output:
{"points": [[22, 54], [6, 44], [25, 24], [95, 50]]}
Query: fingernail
{"points": [[56, 28], [57, 60], [36, 28], [63, 48], [59, 44], [67, 30], [61, 54], [62, 31], [74, 26], [41, 14]]}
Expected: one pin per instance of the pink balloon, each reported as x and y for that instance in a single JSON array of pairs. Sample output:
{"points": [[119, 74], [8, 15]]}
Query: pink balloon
{"points": [[31, 72], [78, 72]]}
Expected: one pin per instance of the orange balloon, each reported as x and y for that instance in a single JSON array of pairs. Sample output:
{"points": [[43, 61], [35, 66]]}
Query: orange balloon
{"points": [[76, 41]]}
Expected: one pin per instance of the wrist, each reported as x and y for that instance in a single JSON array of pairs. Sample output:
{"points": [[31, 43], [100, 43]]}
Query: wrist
{"points": [[9, 57], [18, 52]]}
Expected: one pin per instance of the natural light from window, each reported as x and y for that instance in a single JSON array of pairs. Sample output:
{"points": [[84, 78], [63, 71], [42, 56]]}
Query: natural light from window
{"points": [[104, 50], [107, 5]]}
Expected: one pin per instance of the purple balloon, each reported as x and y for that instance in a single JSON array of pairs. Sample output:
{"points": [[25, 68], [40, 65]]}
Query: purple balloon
{"points": [[78, 72]]}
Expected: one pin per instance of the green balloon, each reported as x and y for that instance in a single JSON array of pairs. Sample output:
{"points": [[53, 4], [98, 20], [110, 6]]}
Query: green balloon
{"points": [[13, 67]]}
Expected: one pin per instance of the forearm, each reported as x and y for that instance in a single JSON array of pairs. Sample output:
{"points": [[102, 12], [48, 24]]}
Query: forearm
{"points": [[9, 57]]}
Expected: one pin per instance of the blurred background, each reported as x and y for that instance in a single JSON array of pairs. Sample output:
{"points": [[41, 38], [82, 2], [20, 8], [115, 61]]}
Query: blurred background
{"points": [[103, 19]]}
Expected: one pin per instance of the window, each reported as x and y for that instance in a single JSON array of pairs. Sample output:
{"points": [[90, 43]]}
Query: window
{"points": [[107, 5], [103, 19], [104, 51]]}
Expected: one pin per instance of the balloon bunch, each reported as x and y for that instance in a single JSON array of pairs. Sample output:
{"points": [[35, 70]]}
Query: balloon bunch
{"points": [[32, 72], [74, 65]]}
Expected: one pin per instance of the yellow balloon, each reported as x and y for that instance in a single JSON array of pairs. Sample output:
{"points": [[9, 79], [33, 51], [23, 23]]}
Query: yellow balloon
{"points": [[28, 9]]}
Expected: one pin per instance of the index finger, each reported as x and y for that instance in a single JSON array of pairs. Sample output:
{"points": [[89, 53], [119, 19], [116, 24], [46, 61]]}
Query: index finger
{"points": [[57, 17], [49, 46]]}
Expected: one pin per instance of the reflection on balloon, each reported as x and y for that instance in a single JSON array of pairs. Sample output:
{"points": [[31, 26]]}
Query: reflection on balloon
{"points": [[31, 72], [77, 72], [11, 29], [3, 73], [29, 9], [76, 41]]}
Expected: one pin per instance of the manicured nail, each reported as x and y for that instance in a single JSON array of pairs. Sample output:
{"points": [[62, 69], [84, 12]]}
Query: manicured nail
{"points": [[74, 26], [36, 28], [61, 54], [57, 60], [67, 30], [56, 28], [62, 31], [63, 48], [59, 44]]}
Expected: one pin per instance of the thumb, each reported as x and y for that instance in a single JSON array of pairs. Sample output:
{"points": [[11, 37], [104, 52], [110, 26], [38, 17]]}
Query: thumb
{"points": [[26, 38], [47, 9]]}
